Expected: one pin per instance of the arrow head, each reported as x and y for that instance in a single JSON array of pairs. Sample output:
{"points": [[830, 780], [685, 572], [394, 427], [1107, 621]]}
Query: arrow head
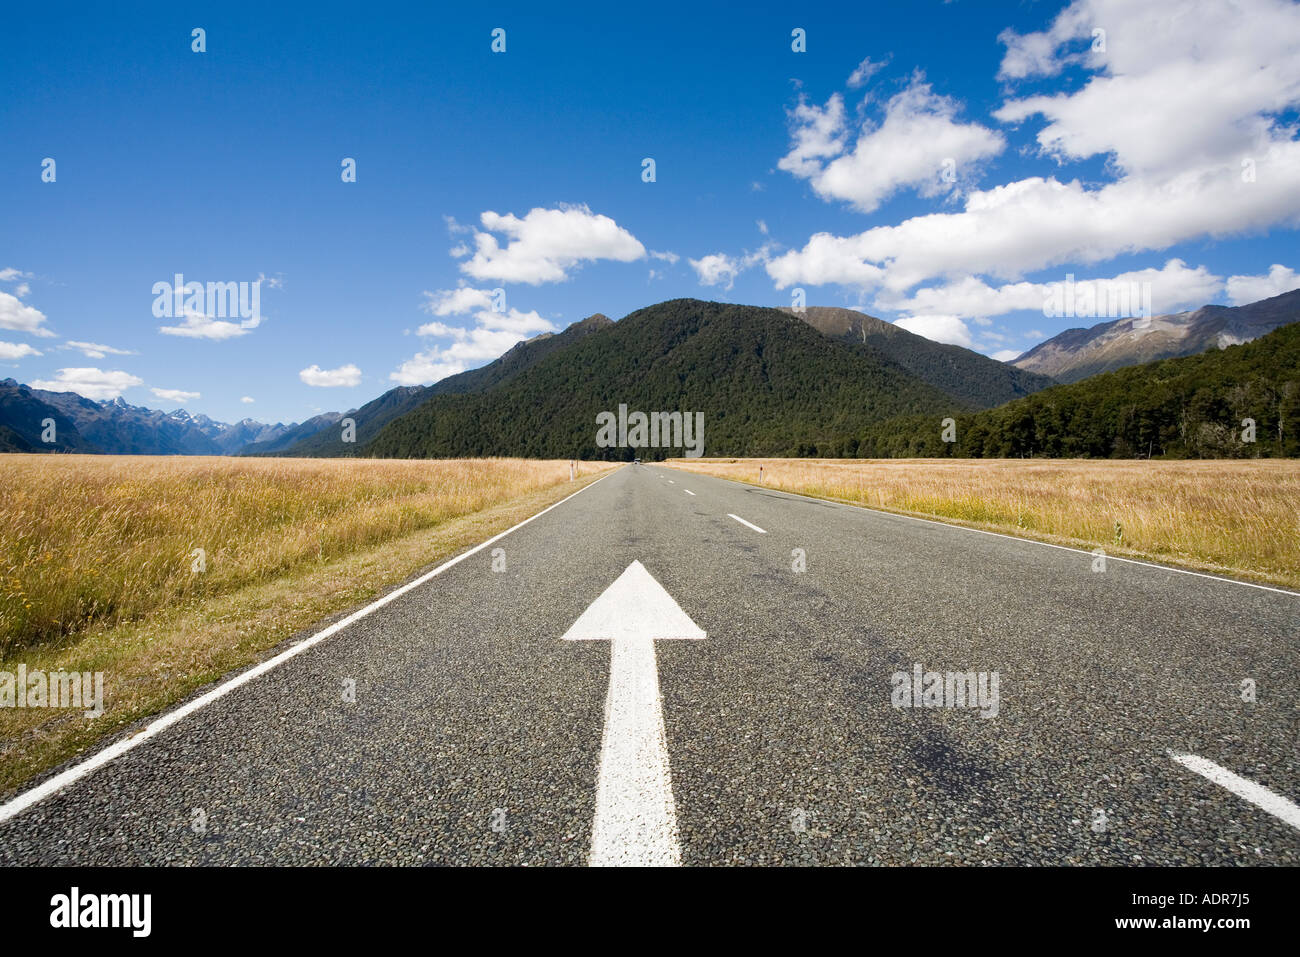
{"points": [[634, 607]]}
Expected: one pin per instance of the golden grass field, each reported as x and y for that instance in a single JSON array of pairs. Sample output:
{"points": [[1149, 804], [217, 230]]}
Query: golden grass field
{"points": [[1236, 517], [96, 564]]}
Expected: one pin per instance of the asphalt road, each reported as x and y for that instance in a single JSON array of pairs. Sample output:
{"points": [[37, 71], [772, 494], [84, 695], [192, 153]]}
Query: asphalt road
{"points": [[475, 736]]}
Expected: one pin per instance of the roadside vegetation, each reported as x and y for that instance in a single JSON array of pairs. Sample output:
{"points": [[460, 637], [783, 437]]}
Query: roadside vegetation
{"points": [[1237, 518], [97, 558]]}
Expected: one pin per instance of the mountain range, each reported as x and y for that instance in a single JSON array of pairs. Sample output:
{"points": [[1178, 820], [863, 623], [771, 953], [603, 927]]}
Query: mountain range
{"points": [[1078, 353], [769, 381], [114, 426]]}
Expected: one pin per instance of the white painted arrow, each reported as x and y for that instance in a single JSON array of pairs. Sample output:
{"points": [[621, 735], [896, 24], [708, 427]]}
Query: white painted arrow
{"points": [[636, 821]]}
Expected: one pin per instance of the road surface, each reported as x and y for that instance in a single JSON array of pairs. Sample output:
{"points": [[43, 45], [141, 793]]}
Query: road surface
{"points": [[479, 735]]}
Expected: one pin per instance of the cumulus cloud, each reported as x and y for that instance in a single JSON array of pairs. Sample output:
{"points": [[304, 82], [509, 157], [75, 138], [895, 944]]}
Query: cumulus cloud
{"points": [[1036, 223], [175, 395], [545, 245], [1174, 287], [1183, 104], [493, 332], [247, 399], [17, 350], [195, 325], [95, 350], [1246, 289], [719, 269], [314, 375], [1005, 355], [948, 329], [21, 317], [1181, 83], [90, 382], [918, 144]]}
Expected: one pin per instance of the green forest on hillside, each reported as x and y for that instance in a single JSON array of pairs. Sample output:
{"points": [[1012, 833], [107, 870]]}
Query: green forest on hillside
{"points": [[1190, 407], [767, 385]]}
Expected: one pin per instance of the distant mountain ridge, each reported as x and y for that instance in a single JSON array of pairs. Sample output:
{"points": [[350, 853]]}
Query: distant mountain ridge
{"points": [[1079, 353], [974, 378], [115, 427]]}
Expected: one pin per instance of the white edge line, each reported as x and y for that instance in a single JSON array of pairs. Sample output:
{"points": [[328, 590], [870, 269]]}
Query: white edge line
{"points": [[27, 799], [1258, 795], [747, 524], [1014, 538]]}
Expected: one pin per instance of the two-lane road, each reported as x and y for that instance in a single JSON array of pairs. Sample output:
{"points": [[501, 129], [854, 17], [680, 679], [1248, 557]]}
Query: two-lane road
{"points": [[476, 733]]}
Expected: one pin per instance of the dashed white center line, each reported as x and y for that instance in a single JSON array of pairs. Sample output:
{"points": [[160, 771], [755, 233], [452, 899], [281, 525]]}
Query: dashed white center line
{"points": [[1281, 808], [688, 491], [761, 531], [671, 482]]}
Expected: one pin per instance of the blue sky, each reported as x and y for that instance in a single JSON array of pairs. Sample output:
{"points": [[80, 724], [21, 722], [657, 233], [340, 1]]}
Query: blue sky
{"points": [[938, 164]]}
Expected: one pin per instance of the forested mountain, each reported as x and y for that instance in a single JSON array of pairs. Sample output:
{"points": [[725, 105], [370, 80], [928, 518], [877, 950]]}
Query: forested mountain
{"points": [[973, 378], [1192, 406], [767, 384], [1078, 353]]}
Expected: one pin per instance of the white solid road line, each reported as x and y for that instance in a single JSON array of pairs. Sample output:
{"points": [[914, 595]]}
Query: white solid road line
{"points": [[636, 820], [688, 491], [23, 801], [1258, 795], [747, 524]]}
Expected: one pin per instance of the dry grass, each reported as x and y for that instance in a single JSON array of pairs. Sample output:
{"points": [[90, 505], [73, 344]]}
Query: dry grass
{"points": [[290, 542], [87, 540], [1235, 517]]}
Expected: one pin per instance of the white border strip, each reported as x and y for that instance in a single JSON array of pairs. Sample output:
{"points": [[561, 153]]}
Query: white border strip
{"points": [[761, 531], [27, 799], [984, 531], [1281, 808]]}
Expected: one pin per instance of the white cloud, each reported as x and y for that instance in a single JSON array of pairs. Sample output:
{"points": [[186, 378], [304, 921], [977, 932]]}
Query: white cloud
{"points": [[314, 375], [195, 325], [175, 395], [1181, 84], [21, 318], [948, 329], [95, 350], [459, 301], [916, 144], [247, 399], [9, 273], [1246, 289], [667, 256], [1184, 92], [17, 350], [492, 334], [719, 269], [545, 244], [1036, 223], [1005, 355], [1174, 287], [716, 269], [90, 382], [864, 72]]}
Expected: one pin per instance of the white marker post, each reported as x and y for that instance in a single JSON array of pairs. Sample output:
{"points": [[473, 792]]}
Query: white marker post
{"points": [[636, 820]]}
